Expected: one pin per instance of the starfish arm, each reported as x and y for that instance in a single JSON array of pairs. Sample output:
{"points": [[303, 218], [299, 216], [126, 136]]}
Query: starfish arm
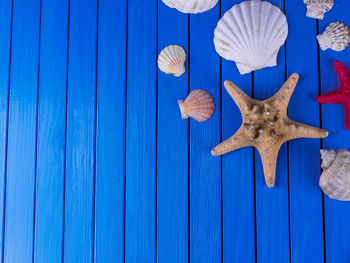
{"points": [[240, 98], [237, 141], [342, 72], [269, 154], [282, 97], [300, 130], [334, 96]]}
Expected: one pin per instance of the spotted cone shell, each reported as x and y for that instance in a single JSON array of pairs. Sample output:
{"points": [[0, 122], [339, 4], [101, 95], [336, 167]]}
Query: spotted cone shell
{"points": [[171, 60], [336, 37], [335, 178], [317, 8], [198, 105]]}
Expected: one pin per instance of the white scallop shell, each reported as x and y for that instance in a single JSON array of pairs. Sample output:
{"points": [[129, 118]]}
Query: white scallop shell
{"points": [[251, 34], [335, 178], [336, 37], [317, 8], [191, 6], [171, 60]]}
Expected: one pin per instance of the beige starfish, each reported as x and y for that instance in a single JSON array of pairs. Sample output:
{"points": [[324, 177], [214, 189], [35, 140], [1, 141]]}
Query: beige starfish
{"points": [[266, 126]]}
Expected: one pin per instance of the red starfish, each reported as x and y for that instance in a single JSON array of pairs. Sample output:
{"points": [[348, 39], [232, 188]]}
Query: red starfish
{"points": [[340, 95]]}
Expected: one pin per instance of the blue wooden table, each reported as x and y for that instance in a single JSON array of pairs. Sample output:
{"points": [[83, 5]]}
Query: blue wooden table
{"points": [[97, 166]]}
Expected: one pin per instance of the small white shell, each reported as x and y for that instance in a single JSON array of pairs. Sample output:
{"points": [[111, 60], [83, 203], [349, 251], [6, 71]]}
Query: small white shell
{"points": [[336, 37], [335, 178], [317, 8], [198, 105], [251, 34], [171, 60], [191, 6]]}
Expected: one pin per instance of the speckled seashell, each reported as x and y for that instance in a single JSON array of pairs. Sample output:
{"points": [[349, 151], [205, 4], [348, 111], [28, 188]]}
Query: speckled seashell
{"points": [[198, 105], [171, 60], [336, 37], [335, 178], [317, 8], [191, 6], [251, 34]]}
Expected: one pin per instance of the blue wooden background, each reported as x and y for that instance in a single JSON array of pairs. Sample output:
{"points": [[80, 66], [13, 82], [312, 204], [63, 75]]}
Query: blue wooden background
{"points": [[97, 166]]}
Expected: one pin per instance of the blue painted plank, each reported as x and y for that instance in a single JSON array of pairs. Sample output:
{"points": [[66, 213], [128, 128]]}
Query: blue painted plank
{"points": [[205, 170], [337, 214], [172, 177], [80, 155], [20, 188], [306, 223], [237, 173], [272, 217], [51, 132], [110, 158], [5, 35], [140, 221]]}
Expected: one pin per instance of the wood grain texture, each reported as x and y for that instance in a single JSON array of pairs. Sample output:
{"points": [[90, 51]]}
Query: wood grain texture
{"points": [[140, 221], [306, 224], [109, 172], [237, 173], [172, 176], [110, 159], [5, 35], [20, 187], [272, 217], [80, 155], [51, 132], [337, 225], [205, 170]]}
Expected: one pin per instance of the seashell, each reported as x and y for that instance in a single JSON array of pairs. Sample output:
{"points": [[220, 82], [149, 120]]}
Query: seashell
{"points": [[317, 8], [191, 6], [251, 34], [336, 37], [198, 105], [171, 60], [335, 178]]}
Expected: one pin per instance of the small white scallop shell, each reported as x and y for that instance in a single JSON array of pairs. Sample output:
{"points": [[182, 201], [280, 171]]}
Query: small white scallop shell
{"points": [[251, 34], [335, 178], [191, 6], [198, 105], [171, 60], [317, 8], [336, 37]]}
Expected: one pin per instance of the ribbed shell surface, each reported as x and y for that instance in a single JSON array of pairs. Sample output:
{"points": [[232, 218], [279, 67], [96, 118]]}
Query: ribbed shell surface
{"points": [[336, 37], [335, 179], [317, 8], [251, 34], [191, 6], [171, 60], [198, 105]]}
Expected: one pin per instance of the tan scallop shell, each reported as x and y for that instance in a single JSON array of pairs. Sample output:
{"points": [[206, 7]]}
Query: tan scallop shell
{"points": [[335, 178], [336, 37], [171, 60], [317, 8], [198, 105]]}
